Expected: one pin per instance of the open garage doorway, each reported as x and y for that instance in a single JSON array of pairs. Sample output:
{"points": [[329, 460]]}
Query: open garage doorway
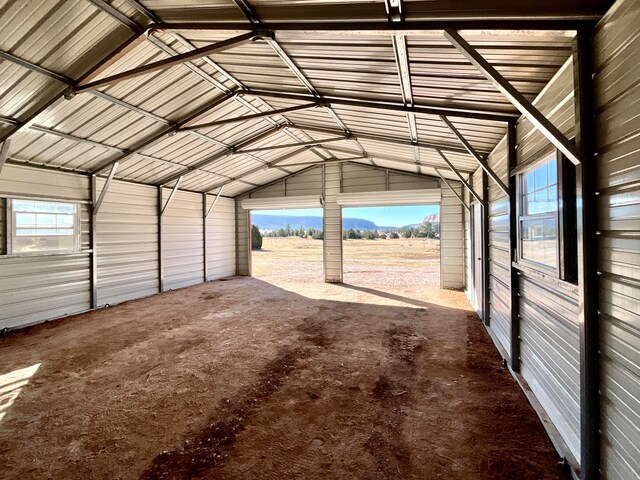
{"points": [[395, 247], [287, 245]]}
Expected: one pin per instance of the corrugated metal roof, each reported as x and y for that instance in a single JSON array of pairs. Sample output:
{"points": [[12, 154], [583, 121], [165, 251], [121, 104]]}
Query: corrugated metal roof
{"points": [[92, 129]]}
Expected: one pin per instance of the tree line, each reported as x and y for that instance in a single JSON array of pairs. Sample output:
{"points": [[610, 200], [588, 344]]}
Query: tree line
{"points": [[424, 230]]}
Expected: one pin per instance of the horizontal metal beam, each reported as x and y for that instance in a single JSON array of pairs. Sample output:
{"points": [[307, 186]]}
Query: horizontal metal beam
{"points": [[234, 149], [290, 145], [464, 182], [324, 162], [494, 116], [271, 164], [34, 67], [479, 158], [408, 163], [168, 62], [378, 138], [446, 182], [245, 118], [382, 27], [531, 113], [161, 134]]}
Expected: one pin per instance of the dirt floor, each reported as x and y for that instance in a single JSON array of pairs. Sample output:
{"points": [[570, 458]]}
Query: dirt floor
{"points": [[385, 264], [247, 379]]}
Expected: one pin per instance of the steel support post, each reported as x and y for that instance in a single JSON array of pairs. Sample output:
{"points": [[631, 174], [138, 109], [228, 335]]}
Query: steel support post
{"points": [[587, 225], [486, 252], [513, 249]]}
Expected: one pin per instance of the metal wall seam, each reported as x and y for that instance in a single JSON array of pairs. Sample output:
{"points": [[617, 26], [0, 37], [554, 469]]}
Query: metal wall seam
{"points": [[221, 240]]}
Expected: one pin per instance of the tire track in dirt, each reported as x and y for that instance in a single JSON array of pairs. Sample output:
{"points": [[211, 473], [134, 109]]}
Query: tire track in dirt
{"points": [[209, 448], [386, 443]]}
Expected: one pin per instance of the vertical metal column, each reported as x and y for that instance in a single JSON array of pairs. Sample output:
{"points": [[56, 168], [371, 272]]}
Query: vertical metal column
{"points": [[204, 235], [160, 265], [486, 265], [586, 210], [513, 249], [93, 243]]}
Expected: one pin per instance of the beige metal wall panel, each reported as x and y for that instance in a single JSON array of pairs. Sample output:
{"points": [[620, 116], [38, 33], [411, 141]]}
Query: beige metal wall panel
{"points": [[127, 242], [548, 323], [221, 239], [182, 240], [243, 240], [451, 239], [332, 244], [359, 179], [408, 182], [25, 181], [271, 191], [617, 92], [308, 182], [43, 287], [499, 250], [550, 354]]}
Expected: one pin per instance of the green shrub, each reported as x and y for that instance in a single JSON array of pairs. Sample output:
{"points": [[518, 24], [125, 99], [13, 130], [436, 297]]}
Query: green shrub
{"points": [[256, 238]]}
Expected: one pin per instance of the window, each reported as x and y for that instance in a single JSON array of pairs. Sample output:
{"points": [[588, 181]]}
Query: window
{"points": [[539, 214], [546, 220], [38, 226]]}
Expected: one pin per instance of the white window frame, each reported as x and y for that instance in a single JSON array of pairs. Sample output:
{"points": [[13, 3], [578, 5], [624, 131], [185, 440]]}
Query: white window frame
{"points": [[11, 228], [556, 215]]}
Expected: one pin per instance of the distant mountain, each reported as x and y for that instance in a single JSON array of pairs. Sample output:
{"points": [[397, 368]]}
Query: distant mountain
{"points": [[274, 222], [433, 218]]}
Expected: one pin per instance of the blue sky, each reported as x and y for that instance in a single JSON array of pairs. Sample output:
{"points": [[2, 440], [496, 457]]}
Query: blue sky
{"points": [[381, 216]]}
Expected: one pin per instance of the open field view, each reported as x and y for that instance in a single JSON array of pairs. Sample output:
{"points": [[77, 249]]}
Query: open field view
{"points": [[381, 263]]}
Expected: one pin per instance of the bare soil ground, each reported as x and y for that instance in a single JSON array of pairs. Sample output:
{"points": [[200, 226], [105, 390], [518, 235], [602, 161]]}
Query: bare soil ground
{"points": [[385, 264], [249, 379]]}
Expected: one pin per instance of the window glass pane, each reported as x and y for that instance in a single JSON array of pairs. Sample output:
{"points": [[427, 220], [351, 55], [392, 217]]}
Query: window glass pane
{"points": [[553, 172], [64, 220], [528, 185], [25, 220], [24, 206], [539, 240]]}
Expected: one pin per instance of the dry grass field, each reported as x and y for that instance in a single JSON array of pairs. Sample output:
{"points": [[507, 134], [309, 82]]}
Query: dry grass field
{"points": [[379, 263]]}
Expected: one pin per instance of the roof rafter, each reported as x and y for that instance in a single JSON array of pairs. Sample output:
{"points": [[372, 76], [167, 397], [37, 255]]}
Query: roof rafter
{"points": [[493, 116]]}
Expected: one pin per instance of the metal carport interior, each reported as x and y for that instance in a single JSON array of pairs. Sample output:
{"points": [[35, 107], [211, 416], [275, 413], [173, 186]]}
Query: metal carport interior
{"points": [[158, 119]]}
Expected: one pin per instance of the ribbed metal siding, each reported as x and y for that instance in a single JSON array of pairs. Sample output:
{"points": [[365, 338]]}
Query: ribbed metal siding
{"points": [[332, 225], [305, 183], [182, 242], [499, 257], [357, 178], [243, 245], [127, 242], [221, 240], [549, 323], [43, 287], [451, 239], [617, 89]]}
